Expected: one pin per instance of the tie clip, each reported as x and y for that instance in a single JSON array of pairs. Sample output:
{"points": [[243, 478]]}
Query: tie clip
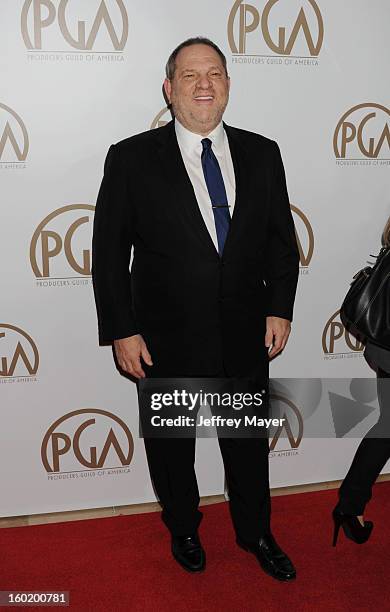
{"points": [[220, 206]]}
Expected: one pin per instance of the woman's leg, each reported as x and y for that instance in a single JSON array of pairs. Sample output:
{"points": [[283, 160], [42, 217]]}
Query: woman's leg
{"points": [[371, 455]]}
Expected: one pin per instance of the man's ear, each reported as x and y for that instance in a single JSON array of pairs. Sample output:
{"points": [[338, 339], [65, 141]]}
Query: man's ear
{"points": [[168, 89]]}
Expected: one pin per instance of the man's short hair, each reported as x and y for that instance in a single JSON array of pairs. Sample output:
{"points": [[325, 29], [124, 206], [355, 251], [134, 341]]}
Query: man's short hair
{"points": [[197, 40]]}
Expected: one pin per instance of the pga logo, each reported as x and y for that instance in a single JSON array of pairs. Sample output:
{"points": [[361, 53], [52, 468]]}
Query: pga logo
{"points": [[78, 24]]}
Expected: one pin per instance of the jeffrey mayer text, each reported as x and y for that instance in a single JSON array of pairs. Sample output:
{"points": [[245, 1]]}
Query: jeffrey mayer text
{"points": [[215, 421]]}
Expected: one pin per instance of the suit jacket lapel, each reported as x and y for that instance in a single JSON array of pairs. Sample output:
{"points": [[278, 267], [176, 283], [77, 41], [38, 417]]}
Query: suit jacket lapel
{"points": [[241, 165], [184, 199]]}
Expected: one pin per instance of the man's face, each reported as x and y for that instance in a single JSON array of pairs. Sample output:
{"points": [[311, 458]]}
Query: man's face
{"points": [[199, 90]]}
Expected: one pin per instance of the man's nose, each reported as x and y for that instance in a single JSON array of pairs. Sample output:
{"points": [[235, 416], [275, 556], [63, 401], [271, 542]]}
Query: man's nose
{"points": [[204, 82]]}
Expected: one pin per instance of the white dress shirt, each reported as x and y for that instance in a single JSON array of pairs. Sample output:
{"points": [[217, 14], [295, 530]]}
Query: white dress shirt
{"points": [[191, 150]]}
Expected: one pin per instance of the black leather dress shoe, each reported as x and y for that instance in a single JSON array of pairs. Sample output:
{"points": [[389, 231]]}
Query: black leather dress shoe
{"points": [[188, 551], [271, 557]]}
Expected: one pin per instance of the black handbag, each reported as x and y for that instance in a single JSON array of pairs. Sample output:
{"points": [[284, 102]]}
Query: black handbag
{"points": [[366, 307]]}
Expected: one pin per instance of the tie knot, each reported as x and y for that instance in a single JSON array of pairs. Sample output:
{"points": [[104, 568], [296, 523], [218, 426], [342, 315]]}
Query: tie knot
{"points": [[206, 144]]}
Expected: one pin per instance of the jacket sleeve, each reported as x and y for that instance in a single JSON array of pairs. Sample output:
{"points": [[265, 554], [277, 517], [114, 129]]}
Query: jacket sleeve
{"points": [[111, 251], [282, 255]]}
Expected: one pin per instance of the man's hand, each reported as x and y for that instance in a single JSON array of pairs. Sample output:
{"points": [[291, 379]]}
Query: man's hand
{"points": [[278, 331], [129, 352]]}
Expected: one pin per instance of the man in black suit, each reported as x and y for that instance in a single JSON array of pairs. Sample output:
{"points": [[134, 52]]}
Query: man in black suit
{"points": [[204, 206]]}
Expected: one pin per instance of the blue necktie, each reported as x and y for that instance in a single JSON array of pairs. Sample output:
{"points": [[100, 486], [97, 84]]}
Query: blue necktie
{"points": [[216, 188]]}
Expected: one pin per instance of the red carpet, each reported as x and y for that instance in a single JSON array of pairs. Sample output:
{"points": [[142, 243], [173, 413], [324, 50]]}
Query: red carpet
{"points": [[124, 563]]}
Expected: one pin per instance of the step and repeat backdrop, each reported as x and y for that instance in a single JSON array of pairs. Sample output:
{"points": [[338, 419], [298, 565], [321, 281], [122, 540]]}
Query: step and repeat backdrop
{"points": [[78, 75]]}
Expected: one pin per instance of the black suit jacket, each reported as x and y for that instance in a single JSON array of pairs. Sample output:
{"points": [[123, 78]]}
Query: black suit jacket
{"points": [[197, 312]]}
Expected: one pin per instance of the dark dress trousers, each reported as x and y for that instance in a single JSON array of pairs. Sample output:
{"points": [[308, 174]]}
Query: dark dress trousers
{"points": [[373, 451], [200, 314]]}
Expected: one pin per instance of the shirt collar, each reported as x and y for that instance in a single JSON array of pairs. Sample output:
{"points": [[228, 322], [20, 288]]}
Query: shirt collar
{"points": [[191, 141]]}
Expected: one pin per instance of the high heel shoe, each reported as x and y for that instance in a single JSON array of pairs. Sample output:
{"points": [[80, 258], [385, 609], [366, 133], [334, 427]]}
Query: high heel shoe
{"points": [[352, 527]]}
